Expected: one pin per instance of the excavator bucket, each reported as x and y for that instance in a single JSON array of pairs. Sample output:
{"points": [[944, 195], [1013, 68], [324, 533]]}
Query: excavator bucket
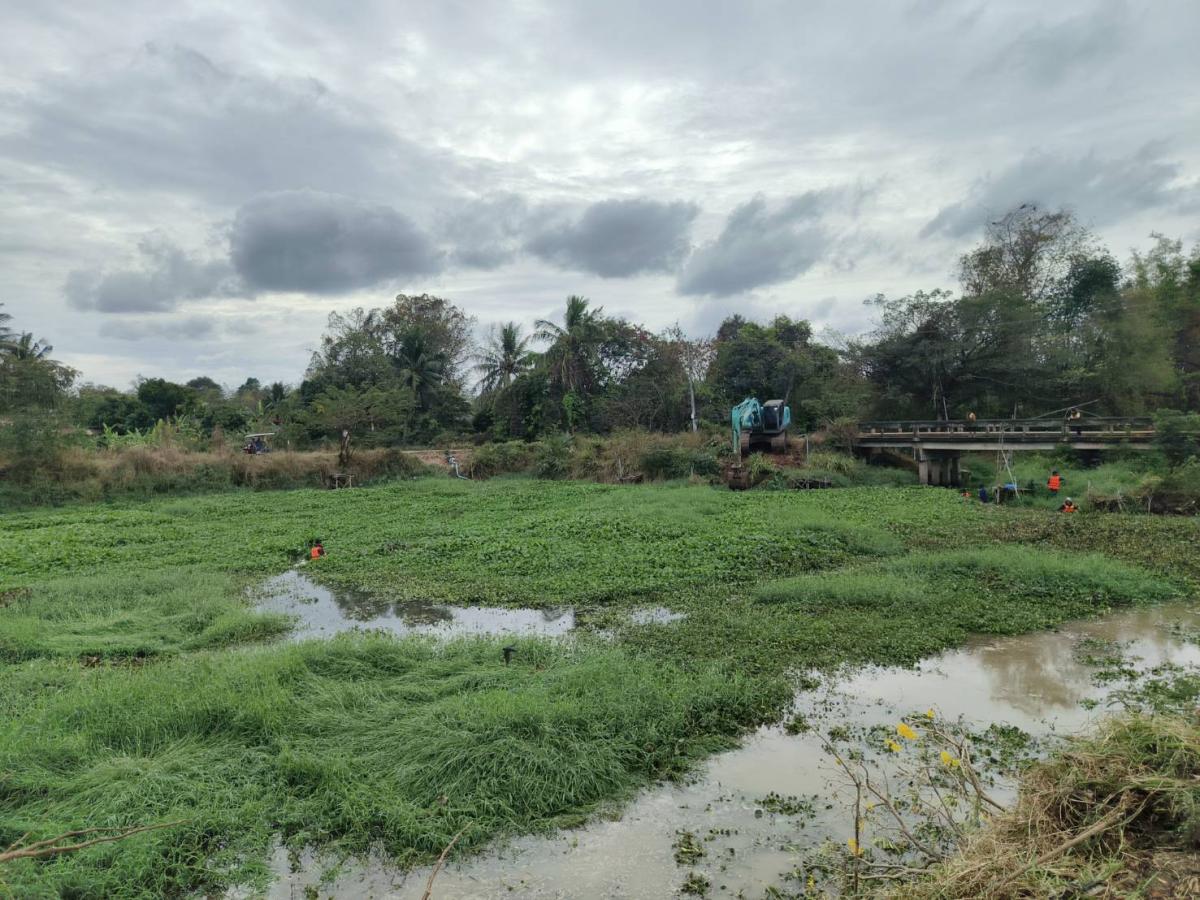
{"points": [[738, 478]]}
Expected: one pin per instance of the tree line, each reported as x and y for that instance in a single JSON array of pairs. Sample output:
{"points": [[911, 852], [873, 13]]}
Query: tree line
{"points": [[1044, 318]]}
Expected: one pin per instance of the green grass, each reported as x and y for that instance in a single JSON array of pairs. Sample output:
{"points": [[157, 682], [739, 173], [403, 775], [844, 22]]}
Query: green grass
{"points": [[124, 616], [134, 686], [500, 541], [347, 743]]}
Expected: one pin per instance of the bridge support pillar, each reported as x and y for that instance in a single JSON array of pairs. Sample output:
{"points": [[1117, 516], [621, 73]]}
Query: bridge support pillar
{"points": [[939, 467]]}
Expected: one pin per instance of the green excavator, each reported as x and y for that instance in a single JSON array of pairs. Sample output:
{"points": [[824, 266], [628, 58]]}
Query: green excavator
{"points": [[757, 425]]}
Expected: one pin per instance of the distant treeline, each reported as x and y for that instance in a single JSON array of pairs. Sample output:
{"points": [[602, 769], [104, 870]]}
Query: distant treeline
{"points": [[1044, 318]]}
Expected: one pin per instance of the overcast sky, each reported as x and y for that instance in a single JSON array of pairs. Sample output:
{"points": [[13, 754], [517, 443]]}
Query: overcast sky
{"points": [[190, 188]]}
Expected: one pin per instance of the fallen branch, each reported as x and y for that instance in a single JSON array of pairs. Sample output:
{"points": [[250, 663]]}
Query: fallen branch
{"points": [[42, 849], [1104, 824], [442, 859]]}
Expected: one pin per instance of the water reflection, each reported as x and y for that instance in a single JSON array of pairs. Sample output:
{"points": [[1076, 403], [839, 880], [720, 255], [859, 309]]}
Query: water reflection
{"points": [[322, 612]]}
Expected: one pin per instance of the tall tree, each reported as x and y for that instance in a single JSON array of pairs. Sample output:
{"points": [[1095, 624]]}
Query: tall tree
{"points": [[25, 347], [165, 399], [445, 329], [505, 356], [1027, 251], [352, 351], [7, 335], [695, 355], [421, 366], [571, 356], [33, 394]]}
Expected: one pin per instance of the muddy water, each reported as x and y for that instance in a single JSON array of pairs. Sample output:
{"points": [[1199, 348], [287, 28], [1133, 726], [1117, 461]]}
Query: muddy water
{"points": [[323, 612], [1036, 682]]}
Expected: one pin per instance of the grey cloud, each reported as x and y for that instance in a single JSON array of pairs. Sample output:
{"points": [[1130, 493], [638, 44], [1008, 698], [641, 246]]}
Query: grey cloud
{"points": [[761, 246], [619, 238], [1101, 190], [190, 328], [326, 244], [1047, 54], [167, 276], [485, 233], [169, 117]]}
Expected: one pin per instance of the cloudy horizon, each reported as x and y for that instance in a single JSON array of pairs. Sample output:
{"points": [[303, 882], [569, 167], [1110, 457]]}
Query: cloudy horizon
{"points": [[192, 190]]}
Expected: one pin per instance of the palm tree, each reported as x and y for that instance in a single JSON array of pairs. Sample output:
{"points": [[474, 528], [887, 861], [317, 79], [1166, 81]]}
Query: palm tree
{"points": [[25, 347], [421, 367], [504, 358], [572, 344], [7, 335]]}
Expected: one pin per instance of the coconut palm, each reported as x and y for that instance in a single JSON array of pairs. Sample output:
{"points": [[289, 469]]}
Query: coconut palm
{"points": [[7, 335], [571, 353], [504, 358], [421, 367], [25, 347]]}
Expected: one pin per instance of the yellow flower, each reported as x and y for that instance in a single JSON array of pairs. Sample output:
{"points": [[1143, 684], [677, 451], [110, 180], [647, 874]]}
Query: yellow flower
{"points": [[854, 848], [956, 763], [929, 714], [905, 731], [812, 882], [947, 759], [893, 746], [870, 806]]}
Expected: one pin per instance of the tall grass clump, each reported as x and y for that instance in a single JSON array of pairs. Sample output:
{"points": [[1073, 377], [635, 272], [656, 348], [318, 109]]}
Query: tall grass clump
{"points": [[989, 590], [123, 616], [360, 742]]}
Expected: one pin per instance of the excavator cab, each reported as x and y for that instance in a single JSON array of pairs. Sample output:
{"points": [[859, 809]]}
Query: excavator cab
{"points": [[775, 419]]}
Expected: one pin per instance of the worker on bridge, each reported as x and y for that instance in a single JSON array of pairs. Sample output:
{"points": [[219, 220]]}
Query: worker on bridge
{"points": [[1068, 506], [1055, 482]]}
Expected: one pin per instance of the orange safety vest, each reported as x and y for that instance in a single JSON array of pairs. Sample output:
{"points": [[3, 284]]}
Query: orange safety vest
{"points": [[1055, 482], [1068, 509], [318, 552]]}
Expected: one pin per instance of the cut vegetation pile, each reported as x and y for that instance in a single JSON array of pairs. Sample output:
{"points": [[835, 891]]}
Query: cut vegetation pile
{"points": [[1114, 815]]}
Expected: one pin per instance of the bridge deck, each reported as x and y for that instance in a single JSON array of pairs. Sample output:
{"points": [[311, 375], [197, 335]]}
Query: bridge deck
{"points": [[1027, 434]]}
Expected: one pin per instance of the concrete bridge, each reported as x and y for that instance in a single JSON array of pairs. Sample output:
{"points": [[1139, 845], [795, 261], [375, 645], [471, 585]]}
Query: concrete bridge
{"points": [[937, 447]]}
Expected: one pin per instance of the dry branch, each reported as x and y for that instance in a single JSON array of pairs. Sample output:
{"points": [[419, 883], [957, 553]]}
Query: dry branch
{"points": [[442, 859]]}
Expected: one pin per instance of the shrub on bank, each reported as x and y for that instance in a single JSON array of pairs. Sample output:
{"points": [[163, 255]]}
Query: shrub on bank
{"points": [[140, 472]]}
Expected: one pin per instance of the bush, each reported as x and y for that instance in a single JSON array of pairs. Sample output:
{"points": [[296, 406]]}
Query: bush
{"points": [[667, 462], [554, 457], [502, 458]]}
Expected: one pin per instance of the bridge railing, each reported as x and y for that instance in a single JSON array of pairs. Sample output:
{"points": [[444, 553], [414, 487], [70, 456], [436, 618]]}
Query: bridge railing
{"points": [[1134, 427]]}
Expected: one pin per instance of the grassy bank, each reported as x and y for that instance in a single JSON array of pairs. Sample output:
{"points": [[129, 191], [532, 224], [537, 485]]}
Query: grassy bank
{"points": [[135, 686]]}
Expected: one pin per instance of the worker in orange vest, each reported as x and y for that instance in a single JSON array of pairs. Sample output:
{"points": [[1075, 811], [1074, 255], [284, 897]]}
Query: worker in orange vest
{"points": [[1055, 482], [1068, 506], [318, 550]]}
